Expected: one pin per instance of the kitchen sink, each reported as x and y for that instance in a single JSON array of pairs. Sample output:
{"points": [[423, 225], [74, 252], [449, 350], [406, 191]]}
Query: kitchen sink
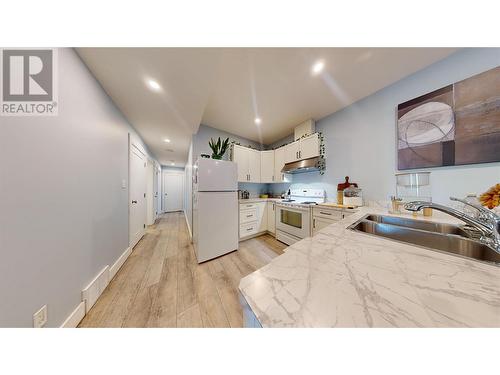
{"points": [[420, 224], [440, 237]]}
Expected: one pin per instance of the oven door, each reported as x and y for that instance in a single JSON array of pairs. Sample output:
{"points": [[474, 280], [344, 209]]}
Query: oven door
{"points": [[295, 221]]}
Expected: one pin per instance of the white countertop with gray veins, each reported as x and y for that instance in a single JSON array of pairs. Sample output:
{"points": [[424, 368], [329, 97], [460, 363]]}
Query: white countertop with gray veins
{"points": [[342, 278]]}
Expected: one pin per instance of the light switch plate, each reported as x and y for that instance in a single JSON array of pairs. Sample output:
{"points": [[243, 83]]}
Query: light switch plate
{"points": [[40, 317]]}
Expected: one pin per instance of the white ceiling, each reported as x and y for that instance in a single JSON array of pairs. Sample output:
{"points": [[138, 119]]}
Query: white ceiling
{"points": [[226, 88]]}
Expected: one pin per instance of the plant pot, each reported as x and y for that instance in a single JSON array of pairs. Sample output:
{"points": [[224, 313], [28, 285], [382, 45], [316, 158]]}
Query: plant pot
{"points": [[218, 157]]}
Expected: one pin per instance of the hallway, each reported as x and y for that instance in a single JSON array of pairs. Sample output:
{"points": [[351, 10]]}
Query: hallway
{"points": [[162, 285]]}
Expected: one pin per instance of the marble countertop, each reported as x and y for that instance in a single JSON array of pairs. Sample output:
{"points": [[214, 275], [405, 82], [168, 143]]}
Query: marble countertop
{"points": [[254, 200], [342, 278]]}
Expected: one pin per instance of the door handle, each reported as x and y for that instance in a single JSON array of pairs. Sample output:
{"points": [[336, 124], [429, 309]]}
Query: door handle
{"points": [[134, 202]]}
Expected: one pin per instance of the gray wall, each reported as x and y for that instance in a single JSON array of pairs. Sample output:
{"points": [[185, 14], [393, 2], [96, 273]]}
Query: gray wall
{"points": [[360, 140], [64, 214]]}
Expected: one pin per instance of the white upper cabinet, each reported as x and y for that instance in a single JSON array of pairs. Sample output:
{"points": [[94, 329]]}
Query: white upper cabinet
{"points": [[279, 163], [240, 157], [304, 148], [248, 161], [309, 146], [253, 165], [267, 166], [292, 151]]}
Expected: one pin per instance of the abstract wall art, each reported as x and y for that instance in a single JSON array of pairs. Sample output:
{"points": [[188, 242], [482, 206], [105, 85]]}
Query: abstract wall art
{"points": [[455, 125]]}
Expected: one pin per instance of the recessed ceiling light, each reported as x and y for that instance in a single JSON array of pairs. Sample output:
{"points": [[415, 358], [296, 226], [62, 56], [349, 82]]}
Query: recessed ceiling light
{"points": [[258, 121], [167, 140], [153, 85], [172, 163], [318, 67]]}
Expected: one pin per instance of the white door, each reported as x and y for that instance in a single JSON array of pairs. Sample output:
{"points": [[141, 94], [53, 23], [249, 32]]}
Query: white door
{"points": [[137, 194], [267, 166], [292, 152], [173, 187], [279, 163], [240, 157], [150, 192], [309, 147], [254, 165], [157, 189]]}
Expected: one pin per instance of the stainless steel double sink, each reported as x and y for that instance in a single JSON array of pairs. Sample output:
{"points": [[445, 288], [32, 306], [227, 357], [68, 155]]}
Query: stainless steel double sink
{"points": [[449, 238]]}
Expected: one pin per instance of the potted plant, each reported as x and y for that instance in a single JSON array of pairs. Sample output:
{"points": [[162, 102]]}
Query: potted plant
{"points": [[219, 148]]}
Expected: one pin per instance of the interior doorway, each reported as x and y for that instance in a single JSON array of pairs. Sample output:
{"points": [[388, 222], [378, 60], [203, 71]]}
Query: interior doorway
{"points": [[173, 191], [137, 193]]}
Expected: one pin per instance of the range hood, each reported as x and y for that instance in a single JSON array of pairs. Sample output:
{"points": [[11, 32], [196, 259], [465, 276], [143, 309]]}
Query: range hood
{"points": [[302, 166]]}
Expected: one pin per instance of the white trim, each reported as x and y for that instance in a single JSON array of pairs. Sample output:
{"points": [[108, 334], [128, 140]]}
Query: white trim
{"points": [[92, 292], [75, 317], [187, 223], [119, 263]]}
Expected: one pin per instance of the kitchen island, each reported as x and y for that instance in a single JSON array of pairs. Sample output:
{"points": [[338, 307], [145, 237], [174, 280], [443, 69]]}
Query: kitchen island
{"points": [[343, 278]]}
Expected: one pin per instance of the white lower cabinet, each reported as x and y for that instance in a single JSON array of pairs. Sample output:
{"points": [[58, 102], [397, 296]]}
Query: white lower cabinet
{"points": [[257, 218], [261, 216], [323, 217], [271, 217]]}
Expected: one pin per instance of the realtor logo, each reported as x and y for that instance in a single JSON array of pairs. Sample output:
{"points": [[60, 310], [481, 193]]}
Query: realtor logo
{"points": [[29, 85]]}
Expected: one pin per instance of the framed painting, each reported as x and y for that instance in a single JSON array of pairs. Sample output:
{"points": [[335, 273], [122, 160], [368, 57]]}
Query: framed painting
{"points": [[455, 125]]}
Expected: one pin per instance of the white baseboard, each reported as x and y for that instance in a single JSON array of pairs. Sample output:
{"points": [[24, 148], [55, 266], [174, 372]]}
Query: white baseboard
{"points": [[187, 223], [119, 263], [75, 317], [91, 292]]}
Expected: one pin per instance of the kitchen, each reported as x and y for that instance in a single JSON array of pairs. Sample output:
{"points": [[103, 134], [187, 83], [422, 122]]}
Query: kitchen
{"points": [[305, 220], [266, 203], [207, 172]]}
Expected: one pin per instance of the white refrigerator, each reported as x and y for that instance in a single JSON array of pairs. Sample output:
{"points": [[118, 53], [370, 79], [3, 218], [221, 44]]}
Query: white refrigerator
{"points": [[215, 208]]}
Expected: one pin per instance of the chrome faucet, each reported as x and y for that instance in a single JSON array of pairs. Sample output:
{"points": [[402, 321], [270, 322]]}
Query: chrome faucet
{"points": [[487, 224]]}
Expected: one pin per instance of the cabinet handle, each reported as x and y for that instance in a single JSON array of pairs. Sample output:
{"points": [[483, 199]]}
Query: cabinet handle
{"points": [[314, 223], [300, 154], [249, 215], [325, 213], [248, 229]]}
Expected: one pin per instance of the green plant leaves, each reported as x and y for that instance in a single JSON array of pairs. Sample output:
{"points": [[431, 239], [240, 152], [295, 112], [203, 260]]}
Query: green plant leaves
{"points": [[218, 147]]}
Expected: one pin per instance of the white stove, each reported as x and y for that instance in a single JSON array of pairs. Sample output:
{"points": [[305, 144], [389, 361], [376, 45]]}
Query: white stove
{"points": [[293, 215], [304, 198]]}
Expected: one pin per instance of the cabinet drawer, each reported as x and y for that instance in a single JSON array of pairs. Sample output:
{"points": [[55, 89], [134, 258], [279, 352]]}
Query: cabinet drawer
{"points": [[248, 229], [246, 206], [327, 213], [247, 216]]}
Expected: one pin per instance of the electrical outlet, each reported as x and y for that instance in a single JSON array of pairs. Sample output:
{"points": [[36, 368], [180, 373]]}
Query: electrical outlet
{"points": [[40, 317]]}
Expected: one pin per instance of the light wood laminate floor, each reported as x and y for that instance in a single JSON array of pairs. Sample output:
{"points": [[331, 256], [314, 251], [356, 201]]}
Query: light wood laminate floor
{"points": [[162, 285]]}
